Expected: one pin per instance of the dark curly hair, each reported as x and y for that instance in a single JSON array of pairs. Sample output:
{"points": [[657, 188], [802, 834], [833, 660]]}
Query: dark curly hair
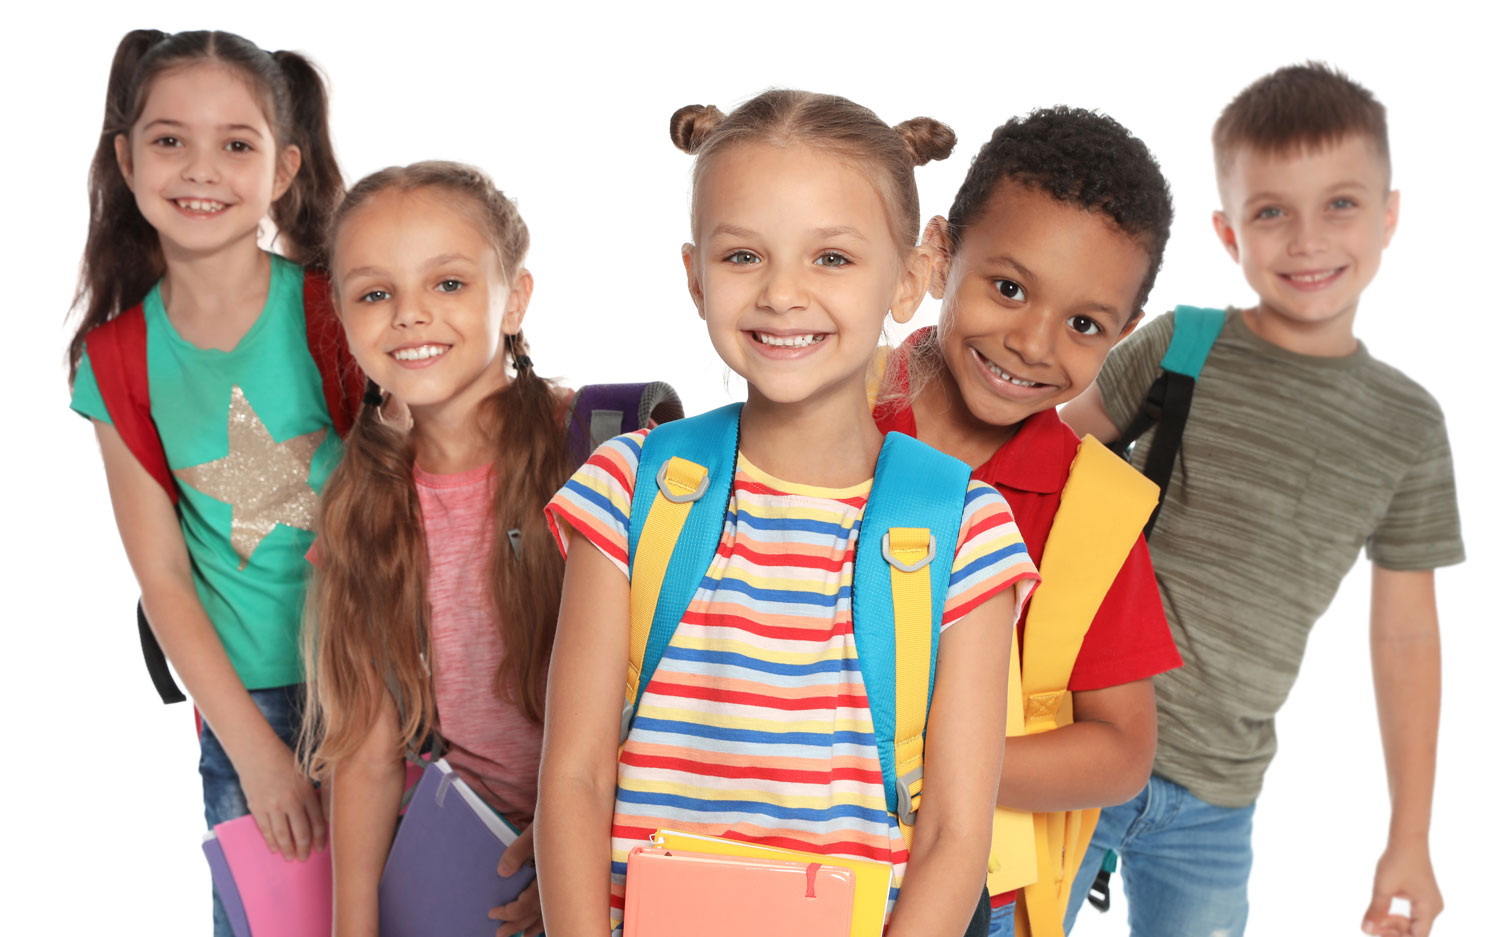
{"points": [[1082, 158]]}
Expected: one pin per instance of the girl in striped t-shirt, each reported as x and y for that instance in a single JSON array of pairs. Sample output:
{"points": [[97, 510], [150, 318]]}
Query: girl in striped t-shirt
{"points": [[756, 724]]}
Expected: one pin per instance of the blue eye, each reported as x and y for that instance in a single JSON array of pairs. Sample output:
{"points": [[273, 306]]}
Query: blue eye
{"points": [[1083, 325], [833, 259], [450, 285], [1011, 290], [1269, 213], [1342, 204], [742, 257], [375, 296]]}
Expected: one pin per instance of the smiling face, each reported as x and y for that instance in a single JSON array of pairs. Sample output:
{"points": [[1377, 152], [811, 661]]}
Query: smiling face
{"points": [[795, 269], [1035, 296], [424, 300], [1308, 228], [202, 161]]}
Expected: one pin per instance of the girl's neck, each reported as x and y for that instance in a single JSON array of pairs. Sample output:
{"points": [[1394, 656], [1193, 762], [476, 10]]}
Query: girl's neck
{"points": [[831, 442], [213, 299], [945, 422], [451, 437]]}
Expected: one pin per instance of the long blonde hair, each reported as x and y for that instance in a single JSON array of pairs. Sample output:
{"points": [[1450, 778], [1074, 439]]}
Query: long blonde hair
{"points": [[370, 618]]}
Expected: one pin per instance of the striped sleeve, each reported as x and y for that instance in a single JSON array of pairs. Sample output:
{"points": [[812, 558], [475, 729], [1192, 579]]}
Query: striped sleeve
{"points": [[596, 500], [991, 556]]}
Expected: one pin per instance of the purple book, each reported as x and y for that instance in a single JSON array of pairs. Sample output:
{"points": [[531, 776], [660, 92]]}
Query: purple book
{"points": [[229, 893], [440, 875]]}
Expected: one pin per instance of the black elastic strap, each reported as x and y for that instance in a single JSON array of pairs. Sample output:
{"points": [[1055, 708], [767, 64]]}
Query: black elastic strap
{"points": [[156, 660], [1177, 401], [1099, 891]]}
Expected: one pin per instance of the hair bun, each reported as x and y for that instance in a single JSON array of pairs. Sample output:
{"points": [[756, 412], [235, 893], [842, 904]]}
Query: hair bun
{"points": [[692, 125], [926, 139]]}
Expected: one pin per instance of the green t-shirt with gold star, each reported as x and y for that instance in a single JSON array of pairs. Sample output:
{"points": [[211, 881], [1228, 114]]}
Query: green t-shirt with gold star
{"points": [[249, 440]]}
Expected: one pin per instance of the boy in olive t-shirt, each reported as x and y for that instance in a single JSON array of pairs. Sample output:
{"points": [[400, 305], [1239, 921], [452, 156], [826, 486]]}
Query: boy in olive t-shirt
{"points": [[1299, 450]]}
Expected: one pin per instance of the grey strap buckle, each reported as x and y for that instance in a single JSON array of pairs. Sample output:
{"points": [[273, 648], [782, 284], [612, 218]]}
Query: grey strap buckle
{"points": [[885, 550], [626, 715], [904, 808], [670, 495]]}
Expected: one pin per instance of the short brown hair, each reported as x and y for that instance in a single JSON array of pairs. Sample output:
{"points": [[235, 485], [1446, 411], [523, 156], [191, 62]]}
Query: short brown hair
{"points": [[1309, 105]]}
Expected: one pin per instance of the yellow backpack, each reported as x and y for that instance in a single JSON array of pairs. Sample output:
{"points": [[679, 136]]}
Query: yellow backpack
{"points": [[1104, 505]]}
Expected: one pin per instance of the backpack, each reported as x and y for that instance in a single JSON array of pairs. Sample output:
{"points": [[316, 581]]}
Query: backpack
{"points": [[1104, 503], [117, 354], [1167, 402], [675, 527]]}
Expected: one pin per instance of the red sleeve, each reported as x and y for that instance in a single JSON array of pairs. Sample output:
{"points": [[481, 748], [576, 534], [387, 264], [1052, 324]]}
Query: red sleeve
{"points": [[1129, 639]]}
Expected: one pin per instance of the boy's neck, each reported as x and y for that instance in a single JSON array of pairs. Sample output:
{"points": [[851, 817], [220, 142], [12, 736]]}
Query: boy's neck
{"points": [[945, 422], [213, 299], [831, 442], [1329, 338]]}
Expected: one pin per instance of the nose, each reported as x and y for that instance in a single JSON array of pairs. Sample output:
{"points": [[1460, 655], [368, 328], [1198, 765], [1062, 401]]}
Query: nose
{"points": [[1030, 335], [408, 311], [782, 289], [202, 165], [1309, 236]]}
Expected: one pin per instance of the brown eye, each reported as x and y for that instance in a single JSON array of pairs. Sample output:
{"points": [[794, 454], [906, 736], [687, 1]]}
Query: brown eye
{"points": [[1011, 290]]}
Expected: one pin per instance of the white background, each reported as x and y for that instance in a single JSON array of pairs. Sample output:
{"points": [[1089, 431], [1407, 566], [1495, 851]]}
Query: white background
{"points": [[568, 109]]}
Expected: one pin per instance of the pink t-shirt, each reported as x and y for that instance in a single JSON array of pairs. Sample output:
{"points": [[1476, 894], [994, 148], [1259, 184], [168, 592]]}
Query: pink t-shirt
{"points": [[492, 746]]}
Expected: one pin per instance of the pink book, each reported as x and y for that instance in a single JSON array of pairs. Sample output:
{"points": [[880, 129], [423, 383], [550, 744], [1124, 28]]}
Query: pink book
{"points": [[281, 898], [671, 893]]}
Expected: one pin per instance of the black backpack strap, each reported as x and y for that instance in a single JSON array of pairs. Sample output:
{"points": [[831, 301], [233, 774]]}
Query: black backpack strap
{"points": [[156, 660]]}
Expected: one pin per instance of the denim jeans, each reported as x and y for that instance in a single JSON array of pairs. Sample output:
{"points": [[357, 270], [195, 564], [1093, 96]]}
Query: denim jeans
{"points": [[1003, 921], [222, 797], [1185, 864]]}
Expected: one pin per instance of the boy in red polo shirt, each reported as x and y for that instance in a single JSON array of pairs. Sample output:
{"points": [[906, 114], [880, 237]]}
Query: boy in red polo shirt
{"points": [[1043, 264]]}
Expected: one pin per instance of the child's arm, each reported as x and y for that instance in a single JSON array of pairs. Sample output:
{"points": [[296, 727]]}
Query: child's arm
{"points": [[1087, 415], [1103, 758], [576, 797], [1404, 653], [965, 744], [366, 798], [281, 798]]}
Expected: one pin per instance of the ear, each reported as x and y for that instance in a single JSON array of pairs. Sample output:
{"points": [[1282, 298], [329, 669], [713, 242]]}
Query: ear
{"points": [[694, 277], [517, 302], [913, 284], [1226, 234], [1392, 213], [940, 245], [122, 159], [1137, 319], [286, 170]]}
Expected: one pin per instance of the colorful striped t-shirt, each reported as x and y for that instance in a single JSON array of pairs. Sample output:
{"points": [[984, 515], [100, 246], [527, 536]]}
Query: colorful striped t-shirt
{"points": [[755, 724]]}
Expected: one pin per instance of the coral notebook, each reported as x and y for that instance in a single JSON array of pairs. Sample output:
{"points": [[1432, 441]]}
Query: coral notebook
{"points": [[872, 879], [440, 874], [671, 893]]}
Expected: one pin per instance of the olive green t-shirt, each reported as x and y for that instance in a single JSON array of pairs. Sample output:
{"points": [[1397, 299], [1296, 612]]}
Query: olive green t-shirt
{"points": [[1289, 465]]}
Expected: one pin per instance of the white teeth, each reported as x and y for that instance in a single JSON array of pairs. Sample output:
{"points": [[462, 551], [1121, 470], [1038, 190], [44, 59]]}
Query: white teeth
{"points": [[1005, 375], [419, 352], [787, 341], [201, 204], [1311, 277]]}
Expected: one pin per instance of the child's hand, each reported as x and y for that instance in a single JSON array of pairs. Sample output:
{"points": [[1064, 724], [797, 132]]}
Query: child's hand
{"points": [[525, 913], [284, 802], [1404, 873]]}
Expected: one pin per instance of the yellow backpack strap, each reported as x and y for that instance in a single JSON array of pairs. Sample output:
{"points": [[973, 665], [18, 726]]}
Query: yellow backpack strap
{"points": [[1104, 505], [909, 551], [679, 484]]}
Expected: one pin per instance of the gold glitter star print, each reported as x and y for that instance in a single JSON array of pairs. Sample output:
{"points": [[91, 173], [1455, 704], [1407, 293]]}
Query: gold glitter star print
{"points": [[265, 481]]}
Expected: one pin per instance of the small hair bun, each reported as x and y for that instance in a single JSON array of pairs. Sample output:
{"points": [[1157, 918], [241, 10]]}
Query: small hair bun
{"points": [[692, 125], [926, 139]]}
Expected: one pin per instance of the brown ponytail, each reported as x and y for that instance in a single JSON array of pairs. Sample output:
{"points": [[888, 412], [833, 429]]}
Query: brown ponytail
{"points": [[122, 257], [370, 594]]}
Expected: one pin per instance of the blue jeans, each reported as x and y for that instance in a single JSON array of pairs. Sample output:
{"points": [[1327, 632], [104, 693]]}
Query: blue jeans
{"points": [[222, 797], [1003, 921], [1185, 863]]}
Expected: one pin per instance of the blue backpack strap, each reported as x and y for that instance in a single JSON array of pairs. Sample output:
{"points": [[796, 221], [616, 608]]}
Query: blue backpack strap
{"points": [[915, 486], [712, 441], [1194, 332]]}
